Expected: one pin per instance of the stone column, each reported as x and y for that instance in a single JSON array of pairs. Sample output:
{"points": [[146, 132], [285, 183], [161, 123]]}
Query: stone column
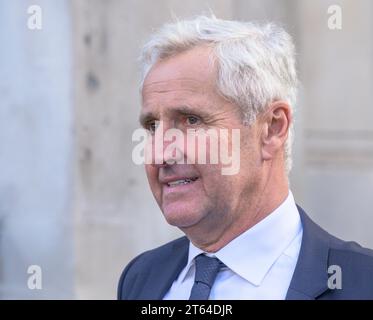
{"points": [[337, 73], [35, 152]]}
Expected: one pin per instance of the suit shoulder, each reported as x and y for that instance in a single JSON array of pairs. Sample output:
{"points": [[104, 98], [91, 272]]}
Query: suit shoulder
{"points": [[144, 261], [355, 265], [339, 249], [351, 248]]}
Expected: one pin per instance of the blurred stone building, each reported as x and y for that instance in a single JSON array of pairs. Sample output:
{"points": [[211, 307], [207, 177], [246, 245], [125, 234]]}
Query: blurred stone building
{"points": [[71, 199]]}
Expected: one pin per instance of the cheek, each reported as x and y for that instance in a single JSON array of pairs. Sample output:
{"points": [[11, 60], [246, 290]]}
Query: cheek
{"points": [[219, 190], [219, 186], [250, 150], [152, 175], [211, 177]]}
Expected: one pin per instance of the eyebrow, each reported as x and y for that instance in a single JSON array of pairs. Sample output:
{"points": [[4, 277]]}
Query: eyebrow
{"points": [[145, 117], [183, 109]]}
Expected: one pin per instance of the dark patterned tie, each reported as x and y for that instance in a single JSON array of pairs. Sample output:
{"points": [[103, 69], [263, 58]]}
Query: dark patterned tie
{"points": [[207, 269]]}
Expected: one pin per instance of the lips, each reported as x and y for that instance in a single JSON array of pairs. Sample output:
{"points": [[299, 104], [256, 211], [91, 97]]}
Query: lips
{"points": [[179, 182]]}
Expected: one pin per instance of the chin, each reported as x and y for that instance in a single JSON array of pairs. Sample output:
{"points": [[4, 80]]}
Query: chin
{"points": [[182, 217]]}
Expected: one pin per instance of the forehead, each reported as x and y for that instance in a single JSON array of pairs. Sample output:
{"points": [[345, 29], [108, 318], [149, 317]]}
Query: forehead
{"points": [[197, 63], [186, 75]]}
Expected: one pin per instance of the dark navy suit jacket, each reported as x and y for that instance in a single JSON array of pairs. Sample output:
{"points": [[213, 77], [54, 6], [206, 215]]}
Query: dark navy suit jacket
{"points": [[150, 275]]}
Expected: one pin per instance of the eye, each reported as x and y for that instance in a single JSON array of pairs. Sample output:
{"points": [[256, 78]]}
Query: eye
{"points": [[192, 120], [152, 126]]}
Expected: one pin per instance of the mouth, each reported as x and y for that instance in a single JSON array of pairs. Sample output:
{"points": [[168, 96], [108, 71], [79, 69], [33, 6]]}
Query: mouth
{"points": [[181, 182]]}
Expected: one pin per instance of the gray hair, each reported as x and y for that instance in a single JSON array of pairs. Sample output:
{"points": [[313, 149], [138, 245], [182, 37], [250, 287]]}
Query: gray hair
{"points": [[256, 63]]}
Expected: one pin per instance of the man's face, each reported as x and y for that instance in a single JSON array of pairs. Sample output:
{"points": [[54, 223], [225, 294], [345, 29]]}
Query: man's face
{"points": [[181, 93]]}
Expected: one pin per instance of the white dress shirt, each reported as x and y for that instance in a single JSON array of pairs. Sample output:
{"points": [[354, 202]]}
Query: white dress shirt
{"points": [[259, 263]]}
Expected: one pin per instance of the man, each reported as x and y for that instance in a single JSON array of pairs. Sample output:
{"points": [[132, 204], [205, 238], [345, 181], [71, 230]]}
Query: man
{"points": [[245, 236]]}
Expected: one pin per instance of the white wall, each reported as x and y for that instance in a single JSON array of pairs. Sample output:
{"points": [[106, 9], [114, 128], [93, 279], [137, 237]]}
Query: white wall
{"points": [[35, 150], [336, 67]]}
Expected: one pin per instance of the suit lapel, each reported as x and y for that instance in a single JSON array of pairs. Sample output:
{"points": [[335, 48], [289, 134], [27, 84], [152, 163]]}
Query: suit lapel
{"points": [[159, 279], [310, 277]]}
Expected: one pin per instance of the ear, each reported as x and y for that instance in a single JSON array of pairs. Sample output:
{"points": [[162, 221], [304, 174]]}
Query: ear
{"points": [[275, 126]]}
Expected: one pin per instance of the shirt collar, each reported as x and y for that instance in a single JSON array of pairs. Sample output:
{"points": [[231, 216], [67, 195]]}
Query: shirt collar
{"points": [[252, 254]]}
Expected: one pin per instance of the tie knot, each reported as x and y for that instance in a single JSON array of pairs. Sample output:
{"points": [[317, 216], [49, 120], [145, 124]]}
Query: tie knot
{"points": [[206, 269]]}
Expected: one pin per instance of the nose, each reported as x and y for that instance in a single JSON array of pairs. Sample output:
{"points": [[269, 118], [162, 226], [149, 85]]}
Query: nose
{"points": [[166, 146]]}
